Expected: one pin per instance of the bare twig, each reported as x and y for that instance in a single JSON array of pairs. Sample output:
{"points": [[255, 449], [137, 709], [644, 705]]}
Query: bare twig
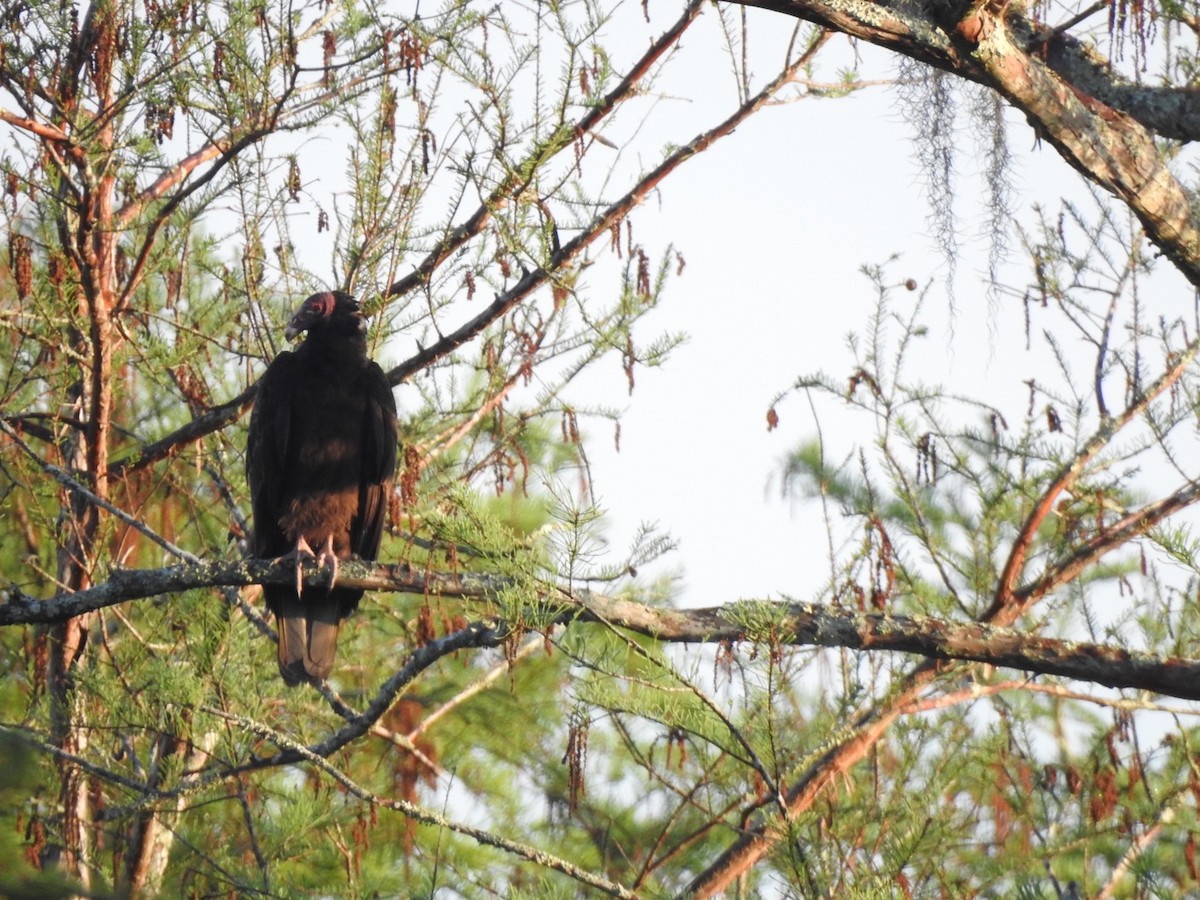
{"points": [[419, 813], [76, 487]]}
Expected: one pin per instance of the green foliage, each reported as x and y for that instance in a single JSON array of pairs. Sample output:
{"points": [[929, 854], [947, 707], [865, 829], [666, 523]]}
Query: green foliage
{"points": [[1031, 780], [19, 780], [252, 145]]}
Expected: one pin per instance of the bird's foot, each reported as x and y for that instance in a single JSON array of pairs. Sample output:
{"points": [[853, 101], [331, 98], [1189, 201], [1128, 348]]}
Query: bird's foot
{"points": [[301, 553], [328, 560]]}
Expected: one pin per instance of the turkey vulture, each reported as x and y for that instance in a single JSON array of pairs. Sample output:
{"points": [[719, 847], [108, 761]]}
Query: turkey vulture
{"points": [[320, 459]]}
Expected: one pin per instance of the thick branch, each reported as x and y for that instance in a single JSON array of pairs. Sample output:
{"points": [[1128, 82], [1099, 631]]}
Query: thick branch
{"points": [[39, 129], [1172, 112], [1107, 146], [1169, 112], [1097, 123], [795, 624]]}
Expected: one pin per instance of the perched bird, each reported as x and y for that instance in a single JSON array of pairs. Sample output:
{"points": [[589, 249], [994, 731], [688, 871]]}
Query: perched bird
{"points": [[320, 461]]}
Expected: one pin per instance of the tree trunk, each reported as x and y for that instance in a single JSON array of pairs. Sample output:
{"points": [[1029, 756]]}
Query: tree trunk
{"points": [[67, 645]]}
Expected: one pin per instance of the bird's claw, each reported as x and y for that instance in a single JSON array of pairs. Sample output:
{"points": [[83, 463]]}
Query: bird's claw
{"points": [[329, 559], [301, 553], [326, 559]]}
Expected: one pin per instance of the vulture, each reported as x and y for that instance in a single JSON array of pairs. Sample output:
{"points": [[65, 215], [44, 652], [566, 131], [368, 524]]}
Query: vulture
{"points": [[320, 461]]}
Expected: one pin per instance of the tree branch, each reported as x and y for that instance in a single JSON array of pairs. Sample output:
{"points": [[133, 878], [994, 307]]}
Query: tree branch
{"points": [[1006, 604], [531, 281], [212, 419], [912, 31], [291, 751], [793, 624], [425, 816], [219, 416], [514, 185], [1097, 122]]}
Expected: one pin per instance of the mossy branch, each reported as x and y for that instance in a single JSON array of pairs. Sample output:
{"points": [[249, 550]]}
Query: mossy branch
{"points": [[799, 624]]}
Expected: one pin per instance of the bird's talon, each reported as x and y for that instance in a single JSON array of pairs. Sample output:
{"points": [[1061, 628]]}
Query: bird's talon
{"points": [[302, 552], [328, 559]]}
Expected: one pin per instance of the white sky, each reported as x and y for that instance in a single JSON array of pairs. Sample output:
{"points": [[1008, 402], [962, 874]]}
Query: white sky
{"points": [[774, 223]]}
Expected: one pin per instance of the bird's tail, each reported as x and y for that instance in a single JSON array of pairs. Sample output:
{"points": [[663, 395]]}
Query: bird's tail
{"points": [[308, 630], [324, 619], [290, 625]]}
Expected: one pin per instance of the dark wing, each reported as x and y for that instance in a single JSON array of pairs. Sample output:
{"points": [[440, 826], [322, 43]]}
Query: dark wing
{"points": [[267, 454], [378, 464], [267, 471]]}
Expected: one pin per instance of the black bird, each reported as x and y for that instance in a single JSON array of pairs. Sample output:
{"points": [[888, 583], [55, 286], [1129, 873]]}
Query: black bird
{"points": [[320, 461]]}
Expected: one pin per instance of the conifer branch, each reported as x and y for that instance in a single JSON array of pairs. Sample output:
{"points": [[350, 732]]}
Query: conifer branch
{"points": [[223, 415], [1006, 605], [533, 280], [786, 624], [319, 760]]}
